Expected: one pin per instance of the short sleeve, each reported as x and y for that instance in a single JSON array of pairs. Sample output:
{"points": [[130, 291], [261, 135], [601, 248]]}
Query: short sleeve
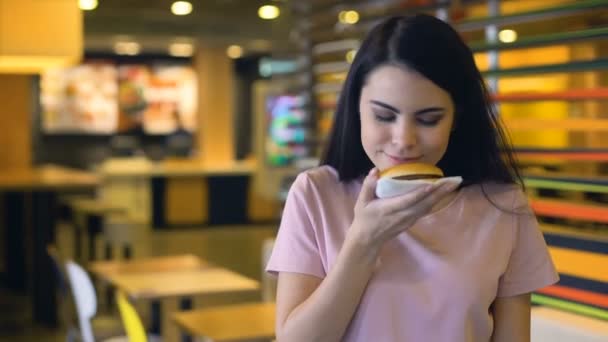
{"points": [[530, 266], [296, 249]]}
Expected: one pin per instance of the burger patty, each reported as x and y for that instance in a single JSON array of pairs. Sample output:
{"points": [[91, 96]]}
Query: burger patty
{"points": [[412, 177]]}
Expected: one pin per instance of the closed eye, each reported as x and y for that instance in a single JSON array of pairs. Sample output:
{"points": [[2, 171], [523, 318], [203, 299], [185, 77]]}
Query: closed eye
{"points": [[429, 120], [384, 117]]}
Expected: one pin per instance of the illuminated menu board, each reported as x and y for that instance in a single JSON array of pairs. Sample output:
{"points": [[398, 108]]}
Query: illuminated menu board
{"points": [[287, 134], [104, 98]]}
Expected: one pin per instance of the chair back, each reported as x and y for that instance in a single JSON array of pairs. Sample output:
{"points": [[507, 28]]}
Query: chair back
{"points": [[130, 319], [64, 302], [85, 298], [60, 276]]}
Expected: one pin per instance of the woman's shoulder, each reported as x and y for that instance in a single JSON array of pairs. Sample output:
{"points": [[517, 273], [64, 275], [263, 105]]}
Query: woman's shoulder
{"points": [[509, 196], [320, 179], [320, 176]]}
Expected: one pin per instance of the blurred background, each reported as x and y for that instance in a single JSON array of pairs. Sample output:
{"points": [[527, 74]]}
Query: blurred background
{"points": [[147, 148]]}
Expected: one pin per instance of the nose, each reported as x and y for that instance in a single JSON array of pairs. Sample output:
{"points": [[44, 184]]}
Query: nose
{"points": [[405, 135]]}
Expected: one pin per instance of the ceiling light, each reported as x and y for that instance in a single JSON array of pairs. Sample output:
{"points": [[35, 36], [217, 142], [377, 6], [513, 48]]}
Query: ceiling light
{"points": [[507, 36], [234, 51], [181, 50], [87, 5], [127, 48], [348, 17], [268, 12], [350, 56], [181, 8]]}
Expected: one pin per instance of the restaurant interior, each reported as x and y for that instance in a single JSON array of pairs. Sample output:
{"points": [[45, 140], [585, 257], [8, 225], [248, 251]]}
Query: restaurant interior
{"points": [[148, 147]]}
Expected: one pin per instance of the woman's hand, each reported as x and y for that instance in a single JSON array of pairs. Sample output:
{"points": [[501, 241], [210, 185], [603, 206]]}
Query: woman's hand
{"points": [[379, 220]]}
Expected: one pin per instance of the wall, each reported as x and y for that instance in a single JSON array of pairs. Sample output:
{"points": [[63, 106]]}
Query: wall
{"points": [[246, 70], [15, 120], [215, 141]]}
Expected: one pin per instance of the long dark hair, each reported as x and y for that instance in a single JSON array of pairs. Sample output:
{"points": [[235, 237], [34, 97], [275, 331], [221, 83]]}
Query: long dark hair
{"points": [[434, 49]]}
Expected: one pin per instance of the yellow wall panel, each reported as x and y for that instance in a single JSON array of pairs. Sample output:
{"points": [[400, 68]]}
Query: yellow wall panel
{"points": [[215, 138], [36, 34], [534, 83], [186, 200], [526, 57], [514, 6], [587, 265], [15, 121], [261, 208]]}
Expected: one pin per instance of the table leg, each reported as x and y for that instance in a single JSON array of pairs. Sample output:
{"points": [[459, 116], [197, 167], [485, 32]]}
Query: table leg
{"points": [[162, 323], [78, 242], [169, 330], [158, 186], [185, 304], [14, 227], [155, 308], [127, 252], [44, 299], [94, 228]]}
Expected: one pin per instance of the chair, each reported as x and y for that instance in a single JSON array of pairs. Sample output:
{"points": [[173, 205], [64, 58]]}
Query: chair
{"points": [[120, 234], [130, 319], [67, 317], [89, 215], [85, 300]]}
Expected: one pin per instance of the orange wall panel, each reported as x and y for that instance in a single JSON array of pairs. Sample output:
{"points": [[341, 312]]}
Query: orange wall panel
{"points": [[15, 121], [215, 142]]}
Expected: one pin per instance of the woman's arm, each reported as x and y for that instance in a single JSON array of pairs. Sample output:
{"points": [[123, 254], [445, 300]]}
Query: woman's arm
{"points": [[511, 319], [310, 309]]}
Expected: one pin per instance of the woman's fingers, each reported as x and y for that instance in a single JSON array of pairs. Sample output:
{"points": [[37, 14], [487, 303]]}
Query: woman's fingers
{"points": [[368, 189], [426, 204], [420, 199], [399, 203]]}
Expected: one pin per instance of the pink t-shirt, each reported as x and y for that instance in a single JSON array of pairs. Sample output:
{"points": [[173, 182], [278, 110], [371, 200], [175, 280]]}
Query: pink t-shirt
{"points": [[437, 280]]}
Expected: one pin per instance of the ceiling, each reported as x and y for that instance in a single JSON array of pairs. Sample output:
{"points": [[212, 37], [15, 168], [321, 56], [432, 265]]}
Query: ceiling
{"points": [[151, 23]]}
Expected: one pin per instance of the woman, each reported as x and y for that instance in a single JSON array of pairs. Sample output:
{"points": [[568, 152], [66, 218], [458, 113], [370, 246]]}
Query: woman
{"points": [[444, 263]]}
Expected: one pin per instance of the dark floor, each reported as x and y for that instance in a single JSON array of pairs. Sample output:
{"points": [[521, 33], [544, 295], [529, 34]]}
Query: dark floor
{"points": [[15, 321]]}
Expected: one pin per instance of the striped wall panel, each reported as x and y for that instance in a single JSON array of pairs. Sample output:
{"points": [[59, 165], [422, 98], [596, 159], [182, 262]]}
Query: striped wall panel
{"points": [[582, 262]]}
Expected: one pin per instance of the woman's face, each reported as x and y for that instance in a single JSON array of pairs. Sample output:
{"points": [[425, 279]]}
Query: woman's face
{"points": [[404, 117]]}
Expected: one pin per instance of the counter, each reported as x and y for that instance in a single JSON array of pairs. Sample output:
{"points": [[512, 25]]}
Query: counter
{"points": [[184, 193]]}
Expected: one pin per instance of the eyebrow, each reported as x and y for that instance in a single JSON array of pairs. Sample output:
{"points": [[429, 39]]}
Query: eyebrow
{"points": [[418, 112]]}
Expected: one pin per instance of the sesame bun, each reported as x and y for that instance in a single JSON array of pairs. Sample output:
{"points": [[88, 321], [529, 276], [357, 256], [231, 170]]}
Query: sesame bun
{"points": [[412, 171]]}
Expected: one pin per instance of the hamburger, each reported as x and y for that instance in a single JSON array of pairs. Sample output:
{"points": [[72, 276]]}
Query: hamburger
{"points": [[404, 178], [413, 171]]}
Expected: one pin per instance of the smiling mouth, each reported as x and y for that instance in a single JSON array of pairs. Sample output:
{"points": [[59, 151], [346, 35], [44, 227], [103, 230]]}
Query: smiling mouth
{"points": [[402, 160]]}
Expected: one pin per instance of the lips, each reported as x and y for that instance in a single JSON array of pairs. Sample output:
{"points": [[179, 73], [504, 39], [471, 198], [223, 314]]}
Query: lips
{"points": [[401, 160]]}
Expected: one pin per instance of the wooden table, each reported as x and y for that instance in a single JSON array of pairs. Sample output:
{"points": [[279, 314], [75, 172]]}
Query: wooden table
{"points": [[183, 283], [230, 323], [30, 210], [179, 284], [49, 177], [107, 270]]}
